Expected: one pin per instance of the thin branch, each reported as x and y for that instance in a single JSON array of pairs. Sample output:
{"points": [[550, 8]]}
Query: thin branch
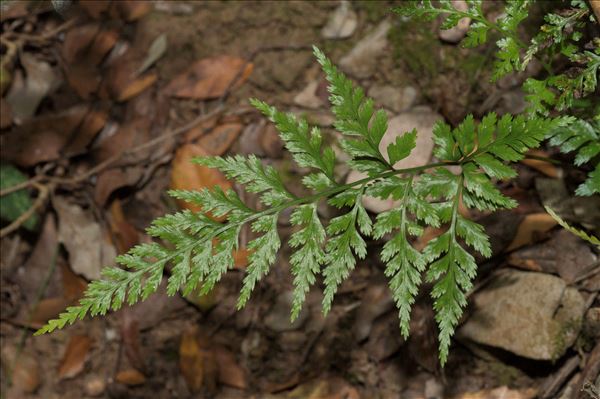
{"points": [[40, 200]]}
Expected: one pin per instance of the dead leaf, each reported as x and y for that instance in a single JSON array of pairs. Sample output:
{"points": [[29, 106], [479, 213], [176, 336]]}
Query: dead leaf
{"points": [[95, 8], [545, 167], [187, 176], [210, 78], [132, 10], [24, 370], [271, 143], [89, 250], [157, 49], [531, 229], [130, 377], [126, 236], [73, 285], [76, 354], [42, 139], [84, 78], [77, 41], [219, 139], [47, 309], [230, 372], [91, 125], [197, 362], [14, 10], [112, 179], [103, 43], [136, 87], [24, 98], [500, 393]]}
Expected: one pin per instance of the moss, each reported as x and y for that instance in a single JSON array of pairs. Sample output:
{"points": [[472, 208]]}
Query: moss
{"points": [[504, 374]]}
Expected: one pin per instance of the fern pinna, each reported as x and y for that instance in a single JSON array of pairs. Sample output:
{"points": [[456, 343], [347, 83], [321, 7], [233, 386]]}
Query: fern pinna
{"points": [[198, 249]]}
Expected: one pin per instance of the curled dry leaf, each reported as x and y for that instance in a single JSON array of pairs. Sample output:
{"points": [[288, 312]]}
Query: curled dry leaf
{"points": [[77, 41], [125, 235], [532, 229], [187, 176], [42, 139], [210, 78], [197, 362], [132, 10], [87, 245], [219, 139], [137, 86], [26, 95], [230, 372], [76, 354], [542, 166], [130, 377]]}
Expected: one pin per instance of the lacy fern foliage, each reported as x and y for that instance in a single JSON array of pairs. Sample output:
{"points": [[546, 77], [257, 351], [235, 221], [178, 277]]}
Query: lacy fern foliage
{"points": [[194, 250]]}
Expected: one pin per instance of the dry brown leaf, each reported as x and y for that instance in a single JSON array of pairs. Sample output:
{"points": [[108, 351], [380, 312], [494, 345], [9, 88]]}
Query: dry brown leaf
{"points": [[218, 140], [95, 8], [187, 176], [77, 40], [230, 372], [545, 167], [130, 377], [84, 238], [136, 86], [91, 125], [76, 354], [500, 393], [103, 43], [132, 10], [84, 78], [47, 309], [73, 285], [210, 78], [126, 236], [531, 229], [42, 139], [112, 179], [197, 362]]}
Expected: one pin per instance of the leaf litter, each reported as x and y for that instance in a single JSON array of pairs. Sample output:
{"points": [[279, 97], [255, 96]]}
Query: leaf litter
{"points": [[113, 92]]}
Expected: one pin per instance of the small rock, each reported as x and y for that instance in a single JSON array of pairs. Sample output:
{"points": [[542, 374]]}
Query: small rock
{"points": [[342, 22], [278, 319], [271, 143], [592, 322], [361, 61], [289, 66], [512, 102], [534, 315], [376, 301], [456, 33], [308, 97], [94, 385], [433, 389], [420, 118], [565, 254], [249, 141], [395, 99]]}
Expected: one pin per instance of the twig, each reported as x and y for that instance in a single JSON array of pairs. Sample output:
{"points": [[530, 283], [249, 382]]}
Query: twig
{"points": [[21, 186], [40, 200]]}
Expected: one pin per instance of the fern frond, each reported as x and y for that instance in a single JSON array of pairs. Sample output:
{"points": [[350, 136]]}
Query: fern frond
{"points": [[583, 137], [579, 233]]}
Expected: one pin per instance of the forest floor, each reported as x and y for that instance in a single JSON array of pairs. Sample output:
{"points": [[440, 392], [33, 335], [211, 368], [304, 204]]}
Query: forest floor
{"points": [[104, 104]]}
